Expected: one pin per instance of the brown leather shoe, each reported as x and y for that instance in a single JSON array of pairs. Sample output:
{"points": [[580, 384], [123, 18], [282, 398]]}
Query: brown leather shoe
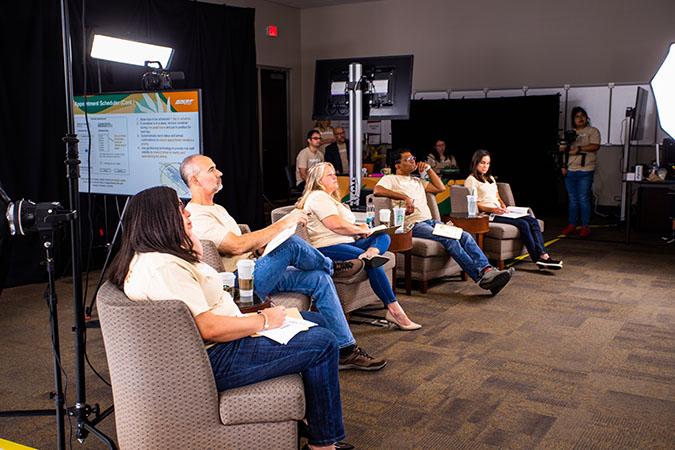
{"points": [[360, 360], [347, 269]]}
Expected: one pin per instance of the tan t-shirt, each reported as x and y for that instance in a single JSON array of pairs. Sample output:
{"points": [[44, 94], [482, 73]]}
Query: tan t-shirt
{"points": [[305, 160], [487, 193], [414, 188], [212, 223], [161, 276], [322, 205], [585, 136]]}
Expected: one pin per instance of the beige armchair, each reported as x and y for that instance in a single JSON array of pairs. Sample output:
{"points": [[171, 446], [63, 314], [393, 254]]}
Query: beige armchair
{"points": [[288, 299], [503, 241], [354, 292], [163, 388], [429, 258]]}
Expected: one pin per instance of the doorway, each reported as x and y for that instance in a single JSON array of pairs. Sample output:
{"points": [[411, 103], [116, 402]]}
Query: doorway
{"points": [[274, 124]]}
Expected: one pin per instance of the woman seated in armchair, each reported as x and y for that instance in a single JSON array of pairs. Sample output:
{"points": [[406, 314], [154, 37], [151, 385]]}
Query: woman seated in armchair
{"points": [[485, 186], [159, 259], [332, 230]]}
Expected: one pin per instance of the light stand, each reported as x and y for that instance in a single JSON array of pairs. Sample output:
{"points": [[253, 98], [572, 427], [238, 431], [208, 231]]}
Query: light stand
{"points": [[355, 89], [81, 410]]}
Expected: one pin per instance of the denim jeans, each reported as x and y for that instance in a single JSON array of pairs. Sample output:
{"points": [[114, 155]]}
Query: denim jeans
{"points": [[296, 266], [530, 234], [464, 250], [314, 353], [579, 185], [377, 277]]}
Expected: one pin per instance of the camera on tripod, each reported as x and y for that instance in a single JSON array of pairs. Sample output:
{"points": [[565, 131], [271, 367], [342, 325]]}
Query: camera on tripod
{"points": [[569, 136], [157, 79]]}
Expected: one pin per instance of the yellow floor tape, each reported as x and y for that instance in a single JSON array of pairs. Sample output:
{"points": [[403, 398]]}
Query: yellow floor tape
{"points": [[7, 445], [521, 257]]}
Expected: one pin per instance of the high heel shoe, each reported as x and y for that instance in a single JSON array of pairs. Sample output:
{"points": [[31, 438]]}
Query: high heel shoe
{"points": [[413, 326], [374, 261]]}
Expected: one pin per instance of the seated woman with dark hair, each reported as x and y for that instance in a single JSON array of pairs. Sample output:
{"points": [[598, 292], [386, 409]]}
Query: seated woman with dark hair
{"points": [[438, 160], [482, 181], [332, 231], [159, 259]]}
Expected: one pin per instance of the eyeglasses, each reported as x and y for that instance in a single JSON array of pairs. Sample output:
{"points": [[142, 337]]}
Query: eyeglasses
{"points": [[410, 158], [340, 134], [315, 138]]}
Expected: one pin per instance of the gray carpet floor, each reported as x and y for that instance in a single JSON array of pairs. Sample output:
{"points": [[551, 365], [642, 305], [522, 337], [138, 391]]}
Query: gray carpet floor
{"points": [[579, 358]]}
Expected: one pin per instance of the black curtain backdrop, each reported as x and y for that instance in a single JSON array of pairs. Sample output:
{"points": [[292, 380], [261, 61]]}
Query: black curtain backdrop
{"points": [[215, 49], [519, 133]]}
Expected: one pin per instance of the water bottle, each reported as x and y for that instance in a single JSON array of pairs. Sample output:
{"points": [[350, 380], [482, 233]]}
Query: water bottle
{"points": [[370, 213]]}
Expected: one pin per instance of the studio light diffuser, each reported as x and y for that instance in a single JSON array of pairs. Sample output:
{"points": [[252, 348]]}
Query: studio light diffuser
{"points": [[129, 52], [663, 87]]}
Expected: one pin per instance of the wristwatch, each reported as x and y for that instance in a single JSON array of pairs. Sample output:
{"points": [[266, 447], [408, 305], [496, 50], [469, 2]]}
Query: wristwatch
{"points": [[262, 313]]}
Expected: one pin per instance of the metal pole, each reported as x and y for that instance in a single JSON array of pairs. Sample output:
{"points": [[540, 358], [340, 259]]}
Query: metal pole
{"points": [[355, 132]]}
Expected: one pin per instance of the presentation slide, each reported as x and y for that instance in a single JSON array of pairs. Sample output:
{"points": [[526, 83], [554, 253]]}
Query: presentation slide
{"points": [[138, 140]]}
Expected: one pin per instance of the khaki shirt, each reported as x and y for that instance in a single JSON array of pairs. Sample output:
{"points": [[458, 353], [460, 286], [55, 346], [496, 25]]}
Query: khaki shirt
{"points": [[305, 160], [415, 189], [585, 136], [322, 205]]}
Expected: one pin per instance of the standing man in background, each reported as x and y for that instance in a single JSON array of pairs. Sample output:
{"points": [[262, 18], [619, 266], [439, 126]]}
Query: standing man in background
{"points": [[337, 153], [307, 157]]}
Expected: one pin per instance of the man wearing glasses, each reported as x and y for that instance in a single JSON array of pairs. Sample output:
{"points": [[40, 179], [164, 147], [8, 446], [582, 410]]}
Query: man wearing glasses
{"points": [[307, 157], [411, 192], [337, 153]]}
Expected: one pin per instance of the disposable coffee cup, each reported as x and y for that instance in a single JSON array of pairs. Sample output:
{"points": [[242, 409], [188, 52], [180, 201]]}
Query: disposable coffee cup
{"points": [[386, 171], [472, 205], [245, 271], [399, 216], [385, 217], [228, 282]]}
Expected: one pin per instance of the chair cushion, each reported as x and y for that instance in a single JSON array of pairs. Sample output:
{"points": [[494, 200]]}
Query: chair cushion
{"points": [[427, 247], [275, 400], [502, 231]]}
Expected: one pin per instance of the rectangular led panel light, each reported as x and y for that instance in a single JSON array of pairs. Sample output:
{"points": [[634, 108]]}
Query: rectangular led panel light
{"points": [[129, 52]]}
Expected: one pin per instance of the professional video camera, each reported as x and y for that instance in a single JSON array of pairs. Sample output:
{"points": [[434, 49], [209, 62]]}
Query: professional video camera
{"points": [[560, 160], [158, 78]]}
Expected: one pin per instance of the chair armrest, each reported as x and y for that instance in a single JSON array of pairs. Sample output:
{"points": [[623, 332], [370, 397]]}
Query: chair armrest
{"points": [[244, 228], [506, 194]]}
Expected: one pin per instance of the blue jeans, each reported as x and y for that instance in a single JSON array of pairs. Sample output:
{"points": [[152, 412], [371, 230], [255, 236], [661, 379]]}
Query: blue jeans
{"points": [[579, 185], [530, 234], [464, 250], [378, 279], [314, 353], [310, 274]]}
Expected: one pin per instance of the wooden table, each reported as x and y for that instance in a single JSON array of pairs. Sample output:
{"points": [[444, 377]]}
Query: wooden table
{"points": [[477, 225], [402, 243]]}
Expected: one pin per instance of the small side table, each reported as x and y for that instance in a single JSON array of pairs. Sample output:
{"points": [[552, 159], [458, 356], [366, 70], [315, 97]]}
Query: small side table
{"points": [[402, 243], [477, 225]]}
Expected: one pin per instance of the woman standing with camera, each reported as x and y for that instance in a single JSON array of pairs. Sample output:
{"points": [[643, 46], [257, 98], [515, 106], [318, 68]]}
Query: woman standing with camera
{"points": [[579, 170]]}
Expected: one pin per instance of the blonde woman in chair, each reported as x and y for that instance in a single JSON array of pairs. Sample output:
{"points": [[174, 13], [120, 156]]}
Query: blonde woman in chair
{"points": [[332, 230], [482, 181]]}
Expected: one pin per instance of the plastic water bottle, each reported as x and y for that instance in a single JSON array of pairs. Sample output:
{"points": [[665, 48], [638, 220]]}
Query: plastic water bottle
{"points": [[370, 214]]}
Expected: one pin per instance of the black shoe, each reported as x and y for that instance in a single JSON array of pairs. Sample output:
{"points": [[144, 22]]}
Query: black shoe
{"points": [[510, 271], [549, 264], [337, 445], [347, 269], [375, 261], [669, 238]]}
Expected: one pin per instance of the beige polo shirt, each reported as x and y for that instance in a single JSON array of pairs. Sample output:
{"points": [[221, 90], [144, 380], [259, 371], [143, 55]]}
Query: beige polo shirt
{"points": [[213, 223], [414, 188], [161, 276], [322, 205]]}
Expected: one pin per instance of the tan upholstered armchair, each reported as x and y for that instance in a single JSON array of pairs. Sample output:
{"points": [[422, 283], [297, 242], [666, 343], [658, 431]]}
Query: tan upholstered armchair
{"points": [[429, 258], [163, 388], [503, 241], [354, 292]]}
